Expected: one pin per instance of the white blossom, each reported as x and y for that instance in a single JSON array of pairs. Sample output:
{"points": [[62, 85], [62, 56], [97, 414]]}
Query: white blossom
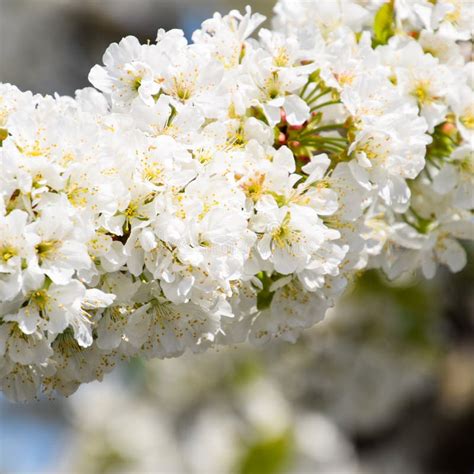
{"points": [[228, 189]]}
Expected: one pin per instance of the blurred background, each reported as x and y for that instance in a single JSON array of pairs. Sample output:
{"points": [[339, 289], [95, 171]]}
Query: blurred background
{"points": [[384, 385]]}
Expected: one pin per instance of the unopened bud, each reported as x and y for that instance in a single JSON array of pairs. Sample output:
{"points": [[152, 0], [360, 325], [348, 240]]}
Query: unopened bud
{"points": [[296, 127], [448, 128]]}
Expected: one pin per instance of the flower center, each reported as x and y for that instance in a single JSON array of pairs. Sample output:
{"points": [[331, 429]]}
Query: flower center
{"points": [[422, 94], [39, 298], [468, 120], [8, 252], [45, 248]]}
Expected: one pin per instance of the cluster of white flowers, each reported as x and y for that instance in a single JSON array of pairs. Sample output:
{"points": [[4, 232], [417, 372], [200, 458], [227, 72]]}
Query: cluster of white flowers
{"points": [[227, 189]]}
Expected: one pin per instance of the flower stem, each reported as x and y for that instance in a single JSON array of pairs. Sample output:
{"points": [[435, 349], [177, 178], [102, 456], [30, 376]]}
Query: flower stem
{"points": [[336, 126], [325, 104], [310, 99]]}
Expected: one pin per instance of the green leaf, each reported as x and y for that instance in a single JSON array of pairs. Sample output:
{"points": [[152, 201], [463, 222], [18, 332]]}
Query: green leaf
{"points": [[384, 24], [264, 296], [267, 456]]}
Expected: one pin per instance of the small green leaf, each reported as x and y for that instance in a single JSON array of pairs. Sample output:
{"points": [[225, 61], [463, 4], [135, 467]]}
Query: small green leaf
{"points": [[384, 24], [267, 456], [264, 296]]}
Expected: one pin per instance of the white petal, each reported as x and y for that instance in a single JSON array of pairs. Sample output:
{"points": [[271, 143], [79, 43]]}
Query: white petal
{"points": [[296, 109], [445, 180], [451, 253]]}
